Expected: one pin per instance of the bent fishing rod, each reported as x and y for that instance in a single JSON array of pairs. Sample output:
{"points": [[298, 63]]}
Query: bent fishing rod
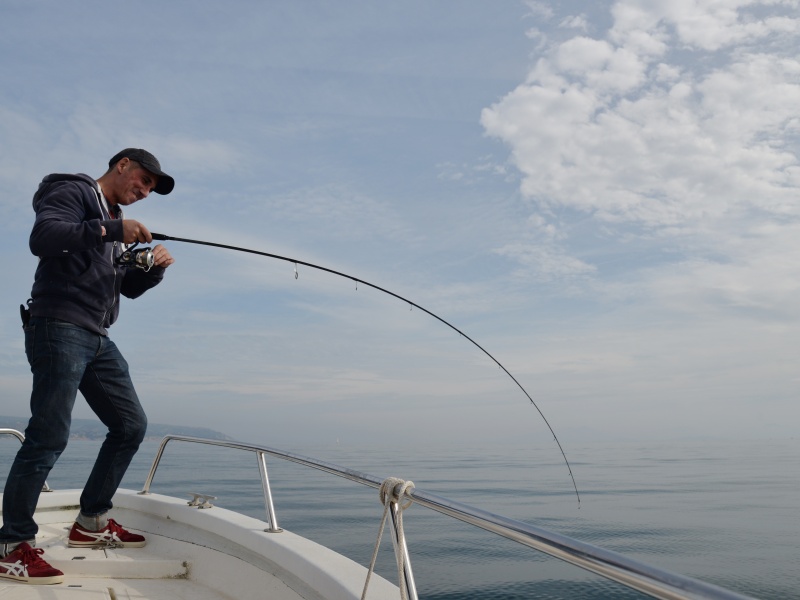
{"points": [[162, 237]]}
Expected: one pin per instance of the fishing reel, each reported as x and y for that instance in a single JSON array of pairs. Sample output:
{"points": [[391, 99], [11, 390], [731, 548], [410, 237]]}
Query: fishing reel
{"points": [[142, 258]]}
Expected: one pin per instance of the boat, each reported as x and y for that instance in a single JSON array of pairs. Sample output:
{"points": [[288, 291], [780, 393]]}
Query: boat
{"points": [[200, 551]]}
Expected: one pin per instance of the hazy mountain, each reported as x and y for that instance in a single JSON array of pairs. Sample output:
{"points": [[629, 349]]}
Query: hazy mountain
{"points": [[89, 429]]}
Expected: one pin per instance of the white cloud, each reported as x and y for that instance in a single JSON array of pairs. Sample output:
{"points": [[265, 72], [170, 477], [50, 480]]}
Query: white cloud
{"points": [[675, 133], [618, 131], [575, 22], [714, 25], [547, 261], [539, 9], [600, 66]]}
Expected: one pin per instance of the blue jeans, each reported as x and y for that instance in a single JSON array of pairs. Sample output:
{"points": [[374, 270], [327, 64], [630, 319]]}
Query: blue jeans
{"points": [[65, 358]]}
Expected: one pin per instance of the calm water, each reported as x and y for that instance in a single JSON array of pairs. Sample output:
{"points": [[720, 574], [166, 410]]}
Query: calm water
{"points": [[722, 512]]}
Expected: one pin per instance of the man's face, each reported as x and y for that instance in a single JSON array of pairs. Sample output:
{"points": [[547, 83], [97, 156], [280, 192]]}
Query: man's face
{"points": [[133, 183]]}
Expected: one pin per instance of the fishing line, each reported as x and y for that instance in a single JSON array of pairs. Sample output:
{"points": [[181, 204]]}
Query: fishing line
{"points": [[162, 237]]}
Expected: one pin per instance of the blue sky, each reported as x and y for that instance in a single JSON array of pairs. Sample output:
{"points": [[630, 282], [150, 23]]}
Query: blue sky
{"points": [[605, 197]]}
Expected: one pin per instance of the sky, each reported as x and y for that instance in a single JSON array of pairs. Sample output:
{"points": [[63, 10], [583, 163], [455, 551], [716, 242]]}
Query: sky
{"points": [[603, 195]]}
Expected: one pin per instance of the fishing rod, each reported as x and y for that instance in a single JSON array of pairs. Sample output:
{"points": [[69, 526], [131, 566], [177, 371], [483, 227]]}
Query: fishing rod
{"points": [[162, 237]]}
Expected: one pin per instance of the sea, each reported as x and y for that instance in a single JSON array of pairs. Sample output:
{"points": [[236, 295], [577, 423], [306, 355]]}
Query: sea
{"points": [[725, 512]]}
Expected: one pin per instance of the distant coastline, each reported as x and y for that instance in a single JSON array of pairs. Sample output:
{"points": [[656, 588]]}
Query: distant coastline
{"points": [[89, 429]]}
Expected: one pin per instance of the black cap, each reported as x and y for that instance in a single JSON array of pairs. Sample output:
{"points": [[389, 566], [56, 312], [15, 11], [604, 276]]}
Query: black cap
{"points": [[149, 162]]}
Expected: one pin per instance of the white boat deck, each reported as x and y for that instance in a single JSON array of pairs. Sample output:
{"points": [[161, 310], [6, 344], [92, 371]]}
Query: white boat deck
{"points": [[154, 572], [191, 553]]}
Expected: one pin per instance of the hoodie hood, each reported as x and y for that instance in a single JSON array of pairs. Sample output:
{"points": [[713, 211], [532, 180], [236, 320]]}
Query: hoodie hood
{"points": [[55, 178]]}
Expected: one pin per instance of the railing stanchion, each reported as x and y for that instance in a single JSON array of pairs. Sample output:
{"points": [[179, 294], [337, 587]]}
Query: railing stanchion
{"points": [[149, 481], [408, 573], [272, 519]]}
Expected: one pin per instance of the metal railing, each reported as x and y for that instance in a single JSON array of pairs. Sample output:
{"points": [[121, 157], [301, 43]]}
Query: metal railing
{"points": [[21, 438], [631, 573]]}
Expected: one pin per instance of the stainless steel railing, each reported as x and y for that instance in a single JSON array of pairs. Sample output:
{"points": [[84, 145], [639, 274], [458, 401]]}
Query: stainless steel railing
{"points": [[272, 520], [13, 432], [21, 438], [631, 573]]}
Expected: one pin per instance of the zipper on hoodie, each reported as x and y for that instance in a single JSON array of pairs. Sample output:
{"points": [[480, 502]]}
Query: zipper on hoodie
{"points": [[106, 207], [114, 288]]}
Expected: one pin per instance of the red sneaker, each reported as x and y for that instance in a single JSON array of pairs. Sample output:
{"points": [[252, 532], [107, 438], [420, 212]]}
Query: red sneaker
{"points": [[26, 565], [111, 535]]}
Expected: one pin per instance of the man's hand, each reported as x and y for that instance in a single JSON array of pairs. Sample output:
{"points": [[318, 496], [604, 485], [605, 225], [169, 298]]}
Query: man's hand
{"points": [[162, 256], [133, 231]]}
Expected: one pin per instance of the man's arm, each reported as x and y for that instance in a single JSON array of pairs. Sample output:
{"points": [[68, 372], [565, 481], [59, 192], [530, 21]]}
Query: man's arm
{"points": [[60, 224]]}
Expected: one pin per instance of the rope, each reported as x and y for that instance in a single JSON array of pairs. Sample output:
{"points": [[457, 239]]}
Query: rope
{"points": [[392, 491]]}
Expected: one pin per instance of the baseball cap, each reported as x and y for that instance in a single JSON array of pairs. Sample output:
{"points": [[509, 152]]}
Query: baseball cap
{"points": [[149, 162]]}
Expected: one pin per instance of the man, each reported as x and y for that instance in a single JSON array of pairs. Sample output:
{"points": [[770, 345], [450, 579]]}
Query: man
{"points": [[79, 235]]}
